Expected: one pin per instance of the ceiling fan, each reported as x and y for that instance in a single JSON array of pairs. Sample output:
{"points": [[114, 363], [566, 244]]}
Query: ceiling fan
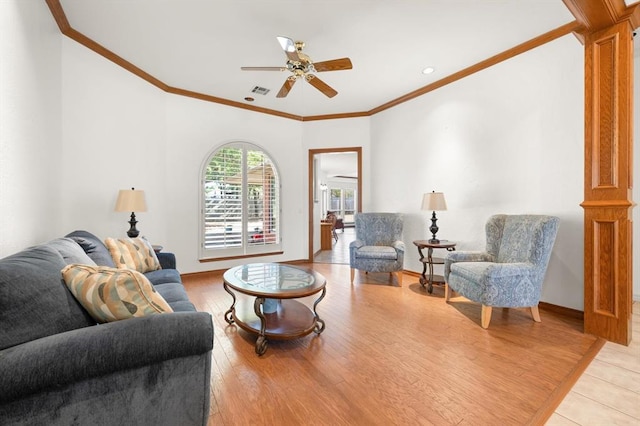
{"points": [[301, 66]]}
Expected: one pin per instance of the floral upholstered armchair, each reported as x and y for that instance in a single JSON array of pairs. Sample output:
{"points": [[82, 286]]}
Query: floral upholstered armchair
{"points": [[378, 246], [510, 273]]}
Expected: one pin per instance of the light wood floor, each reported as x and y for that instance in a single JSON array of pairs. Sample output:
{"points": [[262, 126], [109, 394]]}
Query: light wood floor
{"points": [[393, 356]]}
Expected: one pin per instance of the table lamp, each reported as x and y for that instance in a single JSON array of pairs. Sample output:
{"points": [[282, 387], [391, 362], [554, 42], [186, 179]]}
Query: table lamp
{"points": [[131, 200], [434, 201]]}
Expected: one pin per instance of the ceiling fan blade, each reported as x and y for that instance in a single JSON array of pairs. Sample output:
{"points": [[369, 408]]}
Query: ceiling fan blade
{"points": [[284, 90], [263, 68], [333, 65], [289, 48], [321, 85]]}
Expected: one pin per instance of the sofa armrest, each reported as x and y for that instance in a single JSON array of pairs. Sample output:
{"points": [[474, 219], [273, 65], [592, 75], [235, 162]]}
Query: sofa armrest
{"points": [[167, 260], [61, 359]]}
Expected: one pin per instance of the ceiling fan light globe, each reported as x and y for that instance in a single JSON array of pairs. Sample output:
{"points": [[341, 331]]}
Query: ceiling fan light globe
{"points": [[287, 44]]}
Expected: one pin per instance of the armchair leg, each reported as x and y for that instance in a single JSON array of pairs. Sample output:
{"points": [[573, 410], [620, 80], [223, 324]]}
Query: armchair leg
{"points": [[535, 313], [447, 292], [485, 316], [353, 273], [398, 275]]}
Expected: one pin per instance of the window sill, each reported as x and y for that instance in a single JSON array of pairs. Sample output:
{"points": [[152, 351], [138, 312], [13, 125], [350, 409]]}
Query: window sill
{"points": [[244, 256]]}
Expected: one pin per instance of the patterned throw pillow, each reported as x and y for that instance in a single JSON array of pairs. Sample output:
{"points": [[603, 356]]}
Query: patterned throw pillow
{"points": [[111, 294], [133, 253]]}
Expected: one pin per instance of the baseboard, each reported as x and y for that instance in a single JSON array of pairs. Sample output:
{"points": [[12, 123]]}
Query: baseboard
{"points": [[562, 310], [549, 307]]}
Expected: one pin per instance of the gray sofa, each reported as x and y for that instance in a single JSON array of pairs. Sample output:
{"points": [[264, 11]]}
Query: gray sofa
{"points": [[58, 367]]}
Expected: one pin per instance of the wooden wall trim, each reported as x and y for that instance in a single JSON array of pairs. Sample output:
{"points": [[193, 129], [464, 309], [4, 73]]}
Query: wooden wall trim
{"points": [[235, 104], [335, 116], [58, 15]]}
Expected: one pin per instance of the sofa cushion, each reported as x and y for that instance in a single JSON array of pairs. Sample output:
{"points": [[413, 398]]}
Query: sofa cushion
{"points": [[34, 301], [111, 294], [70, 251], [133, 253], [162, 276], [93, 247], [176, 296], [376, 252]]}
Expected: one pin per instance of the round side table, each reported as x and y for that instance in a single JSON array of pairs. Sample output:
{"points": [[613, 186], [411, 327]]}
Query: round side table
{"points": [[428, 261]]}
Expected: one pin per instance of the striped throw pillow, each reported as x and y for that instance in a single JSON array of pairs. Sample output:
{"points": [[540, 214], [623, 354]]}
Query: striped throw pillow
{"points": [[111, 294], [133, 253]]}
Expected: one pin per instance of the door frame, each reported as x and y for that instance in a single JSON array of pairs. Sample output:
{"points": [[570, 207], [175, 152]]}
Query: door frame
{"points": [[310, 193]]}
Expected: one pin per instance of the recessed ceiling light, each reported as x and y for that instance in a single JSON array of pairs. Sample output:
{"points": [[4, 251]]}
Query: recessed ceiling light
{"points": [[428, 70], [249, 99]]}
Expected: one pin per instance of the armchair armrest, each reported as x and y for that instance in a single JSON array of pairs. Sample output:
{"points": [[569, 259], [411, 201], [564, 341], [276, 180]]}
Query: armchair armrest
{"points": [[356, 244], [507, 271], [469, 256], [464, 256], [398, 245], [61, 359], [353, 247]]}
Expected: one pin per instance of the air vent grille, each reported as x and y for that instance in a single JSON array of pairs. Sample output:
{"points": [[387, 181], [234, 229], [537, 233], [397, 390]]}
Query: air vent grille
{"points": [[260, 90]]}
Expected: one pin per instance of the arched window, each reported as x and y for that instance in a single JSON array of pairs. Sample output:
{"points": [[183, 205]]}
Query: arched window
{"points": [[241, 202]]}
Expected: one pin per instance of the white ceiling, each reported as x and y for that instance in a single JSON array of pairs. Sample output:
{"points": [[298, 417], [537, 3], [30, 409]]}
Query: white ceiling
{"points": [[200, 45], [339, 164]]}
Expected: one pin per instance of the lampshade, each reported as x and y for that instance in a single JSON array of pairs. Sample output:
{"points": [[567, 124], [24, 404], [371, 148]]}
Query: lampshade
{"points": [[131, 200], [434, 201]]}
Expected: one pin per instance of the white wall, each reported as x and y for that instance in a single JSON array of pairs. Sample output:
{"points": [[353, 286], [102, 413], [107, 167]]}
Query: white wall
{"points": [[114, 137], [30, 128], [194, 130], [508, 139]]}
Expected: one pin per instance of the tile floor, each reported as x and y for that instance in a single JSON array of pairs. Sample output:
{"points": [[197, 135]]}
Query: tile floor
{"points": [[607, 393], [340, 252]]}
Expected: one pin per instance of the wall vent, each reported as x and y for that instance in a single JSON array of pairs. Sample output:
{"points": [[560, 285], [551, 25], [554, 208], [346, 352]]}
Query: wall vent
{"points": [[260, 90]]}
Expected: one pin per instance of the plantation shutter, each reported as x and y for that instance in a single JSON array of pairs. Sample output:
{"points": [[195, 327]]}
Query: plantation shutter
{"points": [[241, 202], [223, 199], [262, 199]]}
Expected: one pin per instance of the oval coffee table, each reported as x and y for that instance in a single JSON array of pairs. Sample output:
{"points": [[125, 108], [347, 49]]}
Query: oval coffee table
{"points": [[274, 314]]}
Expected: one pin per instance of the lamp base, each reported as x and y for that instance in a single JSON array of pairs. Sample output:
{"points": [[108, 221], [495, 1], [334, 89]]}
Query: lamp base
{"points": [[133, 232], [434, 229]]}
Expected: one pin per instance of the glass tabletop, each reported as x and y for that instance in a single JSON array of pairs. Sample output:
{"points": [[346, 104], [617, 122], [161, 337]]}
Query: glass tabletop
{"points": [[273, 279]]}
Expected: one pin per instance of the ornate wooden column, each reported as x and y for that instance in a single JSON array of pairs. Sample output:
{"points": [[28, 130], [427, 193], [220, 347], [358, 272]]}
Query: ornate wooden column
{"points": [[608, 182], [608, 204]]}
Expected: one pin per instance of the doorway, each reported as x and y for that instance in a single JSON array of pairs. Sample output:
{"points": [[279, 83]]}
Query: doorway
{"points": [[322, 182]]}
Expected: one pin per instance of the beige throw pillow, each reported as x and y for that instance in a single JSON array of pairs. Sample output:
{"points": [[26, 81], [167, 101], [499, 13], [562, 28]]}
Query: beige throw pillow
{"points": [[111, 294], [133, 253]]}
